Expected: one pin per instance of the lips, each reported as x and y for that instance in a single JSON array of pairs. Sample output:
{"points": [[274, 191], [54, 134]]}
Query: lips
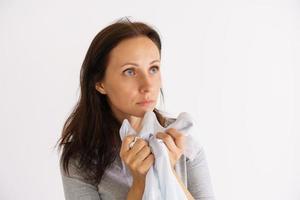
{"points": [[146, 102]]}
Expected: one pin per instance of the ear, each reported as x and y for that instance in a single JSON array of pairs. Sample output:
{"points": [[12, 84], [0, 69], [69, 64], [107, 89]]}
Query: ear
{"points": [[100, 88]]}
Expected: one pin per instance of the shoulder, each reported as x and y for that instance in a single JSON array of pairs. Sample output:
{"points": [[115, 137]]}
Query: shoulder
{"points": [[70, 169], [73, 172]]}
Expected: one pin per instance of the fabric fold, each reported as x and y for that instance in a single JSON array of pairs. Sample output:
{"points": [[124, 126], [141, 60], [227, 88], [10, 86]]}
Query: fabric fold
{"points": [[160, 180]]}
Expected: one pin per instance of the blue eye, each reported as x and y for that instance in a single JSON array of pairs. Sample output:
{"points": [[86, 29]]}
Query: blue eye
{"points": [[156, 68], [129, 70]]}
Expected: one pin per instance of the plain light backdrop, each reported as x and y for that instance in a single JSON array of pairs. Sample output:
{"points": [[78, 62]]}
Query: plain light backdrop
{"points": [[234, 65]]}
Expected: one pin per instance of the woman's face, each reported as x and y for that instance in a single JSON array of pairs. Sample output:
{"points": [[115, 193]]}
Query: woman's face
{"points": [[132, 77]]}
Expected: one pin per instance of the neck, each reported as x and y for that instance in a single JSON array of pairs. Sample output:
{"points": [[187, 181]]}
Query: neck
{"points": [[135, 122]]}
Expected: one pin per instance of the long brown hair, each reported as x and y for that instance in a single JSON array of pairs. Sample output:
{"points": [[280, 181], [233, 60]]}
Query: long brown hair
{"points": [[90, 134]]}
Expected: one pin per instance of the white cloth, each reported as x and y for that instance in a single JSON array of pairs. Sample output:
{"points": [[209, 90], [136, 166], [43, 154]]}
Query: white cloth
{"points": [[161, 184]]}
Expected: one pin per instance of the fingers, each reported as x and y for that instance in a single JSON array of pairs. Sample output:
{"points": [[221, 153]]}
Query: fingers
{"points": [[138, 146], [178, 137], [125, 144], [143, 153], [143, 168], [173, 139], [148, 162], [138, 158], [168, 140], [134, 153]]}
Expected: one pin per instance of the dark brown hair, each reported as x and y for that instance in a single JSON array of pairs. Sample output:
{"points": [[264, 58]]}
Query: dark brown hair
{"points": [[90, 134]]}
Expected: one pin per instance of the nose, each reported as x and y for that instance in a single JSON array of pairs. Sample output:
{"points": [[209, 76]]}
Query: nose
{"points": [[146, 84]]}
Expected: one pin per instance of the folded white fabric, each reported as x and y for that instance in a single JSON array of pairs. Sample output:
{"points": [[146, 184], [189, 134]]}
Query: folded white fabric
{"points": [[161, 184]]}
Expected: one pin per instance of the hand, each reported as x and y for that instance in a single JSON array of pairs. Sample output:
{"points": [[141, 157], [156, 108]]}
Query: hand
{"points": [[139, 158], [175, 141]]}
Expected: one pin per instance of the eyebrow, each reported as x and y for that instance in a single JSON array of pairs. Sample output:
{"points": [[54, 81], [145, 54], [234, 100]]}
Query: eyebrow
{"points": [[132, 63]]}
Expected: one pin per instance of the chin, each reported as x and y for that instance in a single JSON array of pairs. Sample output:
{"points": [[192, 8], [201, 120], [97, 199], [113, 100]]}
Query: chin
{"points": [[141, 112]]}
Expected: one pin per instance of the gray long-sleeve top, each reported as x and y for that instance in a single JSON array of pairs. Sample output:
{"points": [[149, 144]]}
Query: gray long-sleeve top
{"points": [[115, 186]]}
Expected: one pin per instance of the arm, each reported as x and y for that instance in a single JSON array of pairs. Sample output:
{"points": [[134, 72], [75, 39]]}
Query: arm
{"points": [[76, 188], [198, 178], [136, 191]]}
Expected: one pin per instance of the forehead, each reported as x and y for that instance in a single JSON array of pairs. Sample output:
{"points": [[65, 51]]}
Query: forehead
{"points": [[137, 49]]}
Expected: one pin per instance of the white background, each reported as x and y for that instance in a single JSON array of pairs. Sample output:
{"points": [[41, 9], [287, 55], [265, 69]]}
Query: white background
{"points": [[234, 65]]}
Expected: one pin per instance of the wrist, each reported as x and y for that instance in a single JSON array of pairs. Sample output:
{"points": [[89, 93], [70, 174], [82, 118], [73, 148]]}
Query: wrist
{"points": [[137, 189], [138, 184], [138, 181]]}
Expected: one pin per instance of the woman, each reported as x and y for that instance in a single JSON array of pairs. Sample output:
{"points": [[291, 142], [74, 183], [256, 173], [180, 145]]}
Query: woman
{"points": [[120, 79]]}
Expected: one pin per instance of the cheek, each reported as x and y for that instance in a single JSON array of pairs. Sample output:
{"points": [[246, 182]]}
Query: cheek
{"points": [[158, 83], [121, 94], [158, 79]]}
